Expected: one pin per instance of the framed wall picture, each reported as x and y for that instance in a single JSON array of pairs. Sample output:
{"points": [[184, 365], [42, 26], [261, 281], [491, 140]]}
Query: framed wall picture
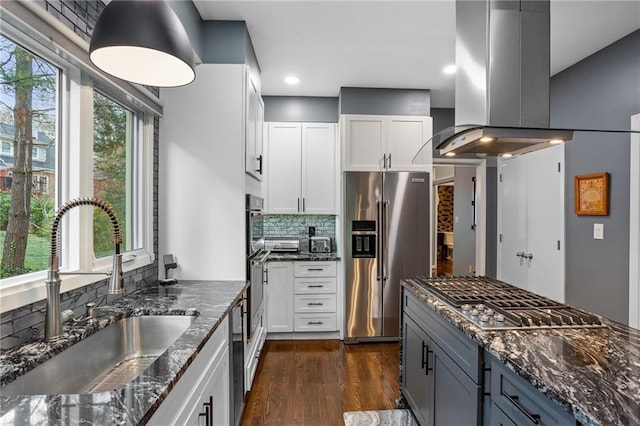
{"points": [[591, 194]]}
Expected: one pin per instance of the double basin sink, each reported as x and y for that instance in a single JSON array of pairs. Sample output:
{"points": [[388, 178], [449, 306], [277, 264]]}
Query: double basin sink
{"points": [[106, 360]]}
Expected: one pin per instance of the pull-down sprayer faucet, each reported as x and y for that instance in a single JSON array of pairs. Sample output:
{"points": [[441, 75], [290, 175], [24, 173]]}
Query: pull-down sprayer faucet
{"points": [[53, 323]]}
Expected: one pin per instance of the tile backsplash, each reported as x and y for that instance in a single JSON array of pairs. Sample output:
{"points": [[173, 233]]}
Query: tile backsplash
{"points": [[282, 225]]}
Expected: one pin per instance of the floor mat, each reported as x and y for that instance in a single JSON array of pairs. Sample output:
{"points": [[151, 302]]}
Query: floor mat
{"points": [[379, 418]]}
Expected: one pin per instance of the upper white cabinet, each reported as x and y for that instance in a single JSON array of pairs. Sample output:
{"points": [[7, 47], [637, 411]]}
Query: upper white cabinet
{"points": [[381, 142], [254, 113], [301, 168]]}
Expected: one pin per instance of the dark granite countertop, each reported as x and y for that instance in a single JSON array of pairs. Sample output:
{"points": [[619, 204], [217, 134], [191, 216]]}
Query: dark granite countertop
{"points": [[302, 256], [592, 373], [135, 402]]}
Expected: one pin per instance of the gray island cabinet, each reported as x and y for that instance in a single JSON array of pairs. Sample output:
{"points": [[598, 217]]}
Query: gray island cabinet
{"points": [[448, 379]]}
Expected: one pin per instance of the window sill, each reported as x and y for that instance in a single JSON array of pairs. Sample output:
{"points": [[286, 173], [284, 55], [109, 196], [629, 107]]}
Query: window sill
{"points": [[13, 296]]}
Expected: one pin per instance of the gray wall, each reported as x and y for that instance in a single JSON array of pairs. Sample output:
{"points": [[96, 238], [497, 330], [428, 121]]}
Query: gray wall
{"points": [[191, 21], [442, 118], [373, 101], [464, 238], [224, 42], [301, 109], [602, 91]]}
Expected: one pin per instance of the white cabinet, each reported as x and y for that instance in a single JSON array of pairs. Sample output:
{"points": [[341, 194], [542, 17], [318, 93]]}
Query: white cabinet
{"points": [[254, 113], [530, 222], [379, 142], [301, 168], [301, 297], [315, 301], [202, 395], [279, 297]]}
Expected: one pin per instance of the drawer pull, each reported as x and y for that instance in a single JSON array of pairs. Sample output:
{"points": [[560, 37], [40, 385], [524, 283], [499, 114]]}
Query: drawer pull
{"points": [[315, 269], [315, 304], [533, 418], [315, 286], [423, 357], [315, 323]]}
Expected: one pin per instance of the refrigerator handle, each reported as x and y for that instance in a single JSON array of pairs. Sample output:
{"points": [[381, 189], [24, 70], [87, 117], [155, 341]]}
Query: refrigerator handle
{"points": [[379, 240], [385, 226]]}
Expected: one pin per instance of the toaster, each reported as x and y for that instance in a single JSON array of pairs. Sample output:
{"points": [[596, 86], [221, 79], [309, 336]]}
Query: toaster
{"points": [[320, 244]]}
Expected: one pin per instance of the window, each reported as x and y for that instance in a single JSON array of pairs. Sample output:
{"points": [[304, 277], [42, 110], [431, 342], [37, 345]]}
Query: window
{"points": [[29, 101], [84, 136]]}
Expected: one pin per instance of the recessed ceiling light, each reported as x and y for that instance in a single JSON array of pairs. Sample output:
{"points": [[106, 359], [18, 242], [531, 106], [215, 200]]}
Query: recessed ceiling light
{"points": [[555, 141], [291, 79], [507, 155], [450, 154], [449, 69], [486, 139]]}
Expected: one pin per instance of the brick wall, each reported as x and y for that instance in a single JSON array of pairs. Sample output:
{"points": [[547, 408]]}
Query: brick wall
{"points": [[26, 323]]}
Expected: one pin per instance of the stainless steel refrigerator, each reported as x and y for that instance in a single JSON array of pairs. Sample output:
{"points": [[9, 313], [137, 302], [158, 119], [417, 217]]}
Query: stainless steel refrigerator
{"points": [[387, 239]]}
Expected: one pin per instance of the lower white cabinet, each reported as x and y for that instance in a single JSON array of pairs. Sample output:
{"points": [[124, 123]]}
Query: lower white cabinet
{"points": [[301, 297], [202, 395], [279, 296]]}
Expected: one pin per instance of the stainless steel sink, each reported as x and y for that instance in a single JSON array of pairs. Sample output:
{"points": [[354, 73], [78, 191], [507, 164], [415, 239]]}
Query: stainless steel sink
{"points": [[105, 360]]}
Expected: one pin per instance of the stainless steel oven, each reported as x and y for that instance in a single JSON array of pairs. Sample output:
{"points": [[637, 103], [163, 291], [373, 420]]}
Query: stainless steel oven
{"points": [[256, 257]]}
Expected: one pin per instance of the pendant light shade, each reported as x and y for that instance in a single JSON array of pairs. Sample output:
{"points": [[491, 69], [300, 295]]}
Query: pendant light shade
{"points": [[142, 41]]}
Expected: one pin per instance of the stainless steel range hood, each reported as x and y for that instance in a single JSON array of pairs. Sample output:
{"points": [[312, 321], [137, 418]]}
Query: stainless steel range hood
{"points": [[502, 80]]}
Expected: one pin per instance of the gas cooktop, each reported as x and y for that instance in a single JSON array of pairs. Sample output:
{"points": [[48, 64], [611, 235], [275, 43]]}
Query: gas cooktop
{"points": [[493, 305]]}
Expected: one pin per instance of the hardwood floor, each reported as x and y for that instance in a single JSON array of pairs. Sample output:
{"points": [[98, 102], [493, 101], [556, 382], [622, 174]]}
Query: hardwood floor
{"points": [[313, 382]]}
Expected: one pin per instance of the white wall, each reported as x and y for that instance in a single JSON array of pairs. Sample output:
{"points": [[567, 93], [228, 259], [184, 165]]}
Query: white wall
{"points": [[202, 180]]}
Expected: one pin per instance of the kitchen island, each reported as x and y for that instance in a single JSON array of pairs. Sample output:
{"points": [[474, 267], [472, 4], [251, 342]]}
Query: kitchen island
{"points": [[585, 375], [134, 403]]}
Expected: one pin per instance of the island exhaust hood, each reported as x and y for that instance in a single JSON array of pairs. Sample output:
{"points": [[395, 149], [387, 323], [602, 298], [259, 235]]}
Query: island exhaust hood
{"points": [[502, 80]]}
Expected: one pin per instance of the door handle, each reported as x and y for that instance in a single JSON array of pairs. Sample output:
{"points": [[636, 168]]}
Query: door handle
{"points": [[259, 164], [385, 224], [389, 160], [379, 241]]}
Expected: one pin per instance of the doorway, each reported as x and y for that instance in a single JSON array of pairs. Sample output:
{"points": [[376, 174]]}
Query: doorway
{"points": [[444, 226]]}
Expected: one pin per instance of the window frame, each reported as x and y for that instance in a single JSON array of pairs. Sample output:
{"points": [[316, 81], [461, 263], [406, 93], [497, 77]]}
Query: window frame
{"points": [[74, 174]]}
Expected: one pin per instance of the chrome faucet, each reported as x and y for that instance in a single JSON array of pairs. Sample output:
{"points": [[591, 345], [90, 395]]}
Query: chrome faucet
{"points": [[53, 320]]}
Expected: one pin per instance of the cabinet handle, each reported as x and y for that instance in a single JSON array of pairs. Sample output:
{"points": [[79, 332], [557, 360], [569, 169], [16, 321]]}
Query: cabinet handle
{"points": [[533, 418], [259, 164], [427, 361], [384, 161], [303, 208], [314, 304], [315, 269], [298, 204], [424, 362], [315, 286], [315, 323], [389, 160], [208, 415]]}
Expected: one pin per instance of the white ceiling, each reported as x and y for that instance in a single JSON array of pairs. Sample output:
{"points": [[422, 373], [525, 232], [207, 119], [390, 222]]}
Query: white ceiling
{"points": [[394, 44]]}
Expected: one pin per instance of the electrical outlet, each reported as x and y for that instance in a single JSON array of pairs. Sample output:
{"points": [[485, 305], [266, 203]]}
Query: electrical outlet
{"points": [[598, 231], [471, 269], [312, 231]]}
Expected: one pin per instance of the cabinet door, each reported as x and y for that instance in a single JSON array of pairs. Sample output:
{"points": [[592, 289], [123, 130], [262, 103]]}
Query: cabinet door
{"points": [[283, 182], [318, 168], [259, 137], [405, 137], [217, 392], [417, 378], [251, 118], [364, 142], [279, 297], [457, 398]]}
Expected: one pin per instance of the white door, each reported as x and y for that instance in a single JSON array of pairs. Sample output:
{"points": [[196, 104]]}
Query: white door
{"points": [[405, 137], [513, 217], [545, 227], [365, 139], [279, 297], [283, 183], [318, 168], [531, 251]]}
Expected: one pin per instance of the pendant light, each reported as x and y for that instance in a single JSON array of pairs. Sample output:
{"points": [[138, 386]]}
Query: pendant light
{"points": [[142, 41]]}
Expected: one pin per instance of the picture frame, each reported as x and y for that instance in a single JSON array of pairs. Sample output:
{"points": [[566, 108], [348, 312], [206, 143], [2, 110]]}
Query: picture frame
{"points": [[591, 194]]}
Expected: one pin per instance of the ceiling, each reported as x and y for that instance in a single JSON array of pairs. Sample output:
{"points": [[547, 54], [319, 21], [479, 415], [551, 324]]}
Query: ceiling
{"points": [[394, 44]]}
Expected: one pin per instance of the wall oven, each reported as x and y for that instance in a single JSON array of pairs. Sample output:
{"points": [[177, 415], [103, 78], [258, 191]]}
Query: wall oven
{"points": [[256, 257]]}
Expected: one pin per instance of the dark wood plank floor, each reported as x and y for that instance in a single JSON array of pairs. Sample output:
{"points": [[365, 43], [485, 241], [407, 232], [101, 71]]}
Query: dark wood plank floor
{"points": [[313, 382]]}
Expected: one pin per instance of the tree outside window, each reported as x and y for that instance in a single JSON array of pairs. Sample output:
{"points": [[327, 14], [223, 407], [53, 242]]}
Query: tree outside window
{"points": [[28, 122]]}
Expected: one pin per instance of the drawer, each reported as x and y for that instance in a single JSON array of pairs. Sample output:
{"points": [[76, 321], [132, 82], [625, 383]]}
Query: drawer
{"points": [[315, 285], [304, 303], [315, 322], [462, 350], [314, 269], [499, 418], [523, 403]]}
